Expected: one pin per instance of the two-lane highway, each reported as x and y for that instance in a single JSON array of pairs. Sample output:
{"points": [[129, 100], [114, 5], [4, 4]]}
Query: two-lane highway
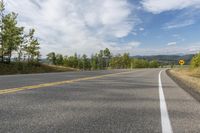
{"points": [[120, 101]]}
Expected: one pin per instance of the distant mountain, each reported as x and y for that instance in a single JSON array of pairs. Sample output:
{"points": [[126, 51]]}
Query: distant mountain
{"points": [[167, 59]]}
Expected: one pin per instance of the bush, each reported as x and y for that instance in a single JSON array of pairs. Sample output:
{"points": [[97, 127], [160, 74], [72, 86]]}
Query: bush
{"points": [[139, 63], [153, 64], [195, 61]]}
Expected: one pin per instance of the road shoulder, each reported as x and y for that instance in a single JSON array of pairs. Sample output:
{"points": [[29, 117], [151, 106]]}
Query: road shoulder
{"points": [[189, 84]]}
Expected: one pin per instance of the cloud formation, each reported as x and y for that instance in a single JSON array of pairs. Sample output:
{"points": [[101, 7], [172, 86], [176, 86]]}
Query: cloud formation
{"points": [[171, 43], [67, 26], [188, 15], [158, 6]]}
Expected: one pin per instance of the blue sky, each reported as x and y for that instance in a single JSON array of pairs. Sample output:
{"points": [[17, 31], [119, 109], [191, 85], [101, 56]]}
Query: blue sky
{"points": [[140, 27]]}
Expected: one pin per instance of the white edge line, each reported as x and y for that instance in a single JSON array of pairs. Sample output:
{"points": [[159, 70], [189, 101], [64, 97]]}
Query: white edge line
{"points": [[165, 121]]}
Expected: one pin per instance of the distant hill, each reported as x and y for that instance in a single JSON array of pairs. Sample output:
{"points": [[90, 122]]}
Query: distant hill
{"points": [[167, 59]]}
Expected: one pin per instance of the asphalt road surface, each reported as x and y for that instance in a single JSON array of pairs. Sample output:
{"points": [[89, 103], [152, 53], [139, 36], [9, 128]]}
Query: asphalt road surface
{"points": [[120, 101]]}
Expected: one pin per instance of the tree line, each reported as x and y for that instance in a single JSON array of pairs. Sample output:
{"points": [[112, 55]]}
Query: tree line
{"points": [[14, 39], [104, 59]]}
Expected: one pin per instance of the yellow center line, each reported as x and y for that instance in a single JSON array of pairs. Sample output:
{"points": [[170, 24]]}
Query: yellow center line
{"points": [[12, 90]]}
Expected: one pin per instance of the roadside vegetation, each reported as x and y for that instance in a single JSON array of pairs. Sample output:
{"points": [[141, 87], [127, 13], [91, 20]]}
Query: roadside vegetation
{"points": [[189, 76], [25, 68], [102, 60]]}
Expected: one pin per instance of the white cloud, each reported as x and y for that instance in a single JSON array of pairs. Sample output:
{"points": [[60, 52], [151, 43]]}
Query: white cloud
{"points": [[158, 6], [171, 43], [188, 15], [179, 25], [141, 29], [68, 26]]}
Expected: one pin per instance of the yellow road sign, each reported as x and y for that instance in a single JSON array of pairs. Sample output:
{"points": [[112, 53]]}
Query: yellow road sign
{"points": [[181, 62]]}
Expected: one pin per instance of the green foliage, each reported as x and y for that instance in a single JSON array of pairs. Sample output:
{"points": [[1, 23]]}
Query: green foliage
{"points": [[102, 60], [51, 57], [107, 53], [116, 62], [94, 62], [195, 61], [126, 61], [13, 39], [86, 63], [153, 64], [121, 61], [59, 59], [72, 61], [139, 63], [11, 35], [31, 47]]}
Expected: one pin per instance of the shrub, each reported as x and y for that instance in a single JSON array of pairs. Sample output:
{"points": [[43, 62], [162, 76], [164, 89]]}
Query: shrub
{"points": [[195, 61]]}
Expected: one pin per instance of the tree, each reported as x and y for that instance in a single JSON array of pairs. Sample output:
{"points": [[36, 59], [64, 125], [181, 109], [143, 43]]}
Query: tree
{"points": [[139, 63], [94, 62], [13, 39], [51, 57], [75, 60], [11, 34], [59, 59], [72, 61], [100, 60], [153, 64], [86, 63], [107, 56], [126, 61], [116, 62], [32, 46]]}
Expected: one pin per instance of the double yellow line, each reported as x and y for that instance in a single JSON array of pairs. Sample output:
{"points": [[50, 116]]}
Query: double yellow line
{"points": [[13, 90]]}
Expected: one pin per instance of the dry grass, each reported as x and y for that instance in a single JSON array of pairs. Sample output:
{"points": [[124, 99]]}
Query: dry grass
{"points": [[25, 68], [189, 76]]}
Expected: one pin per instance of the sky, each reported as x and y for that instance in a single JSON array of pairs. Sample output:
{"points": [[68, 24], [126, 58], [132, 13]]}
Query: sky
{"points": [[139, 27]]}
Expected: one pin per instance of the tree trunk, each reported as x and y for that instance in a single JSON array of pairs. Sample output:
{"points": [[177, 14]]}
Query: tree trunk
{"points": [[2, 55], [9, 56]]}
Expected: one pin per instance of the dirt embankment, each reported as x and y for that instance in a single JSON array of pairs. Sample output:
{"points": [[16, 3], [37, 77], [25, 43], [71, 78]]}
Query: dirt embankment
{"points": [[188, 79], [26, 68]]}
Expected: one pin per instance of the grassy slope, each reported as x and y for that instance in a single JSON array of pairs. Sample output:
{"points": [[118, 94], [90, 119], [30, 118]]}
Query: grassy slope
{"points": [[24, 68], [189, 76]]}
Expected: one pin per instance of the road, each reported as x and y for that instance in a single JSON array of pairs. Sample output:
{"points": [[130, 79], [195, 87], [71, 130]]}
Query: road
{"points": [[119, 101]]}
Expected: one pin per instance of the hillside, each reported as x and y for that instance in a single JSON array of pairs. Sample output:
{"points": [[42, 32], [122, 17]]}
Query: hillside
{"points": [[167, 59], [25, 68]]}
